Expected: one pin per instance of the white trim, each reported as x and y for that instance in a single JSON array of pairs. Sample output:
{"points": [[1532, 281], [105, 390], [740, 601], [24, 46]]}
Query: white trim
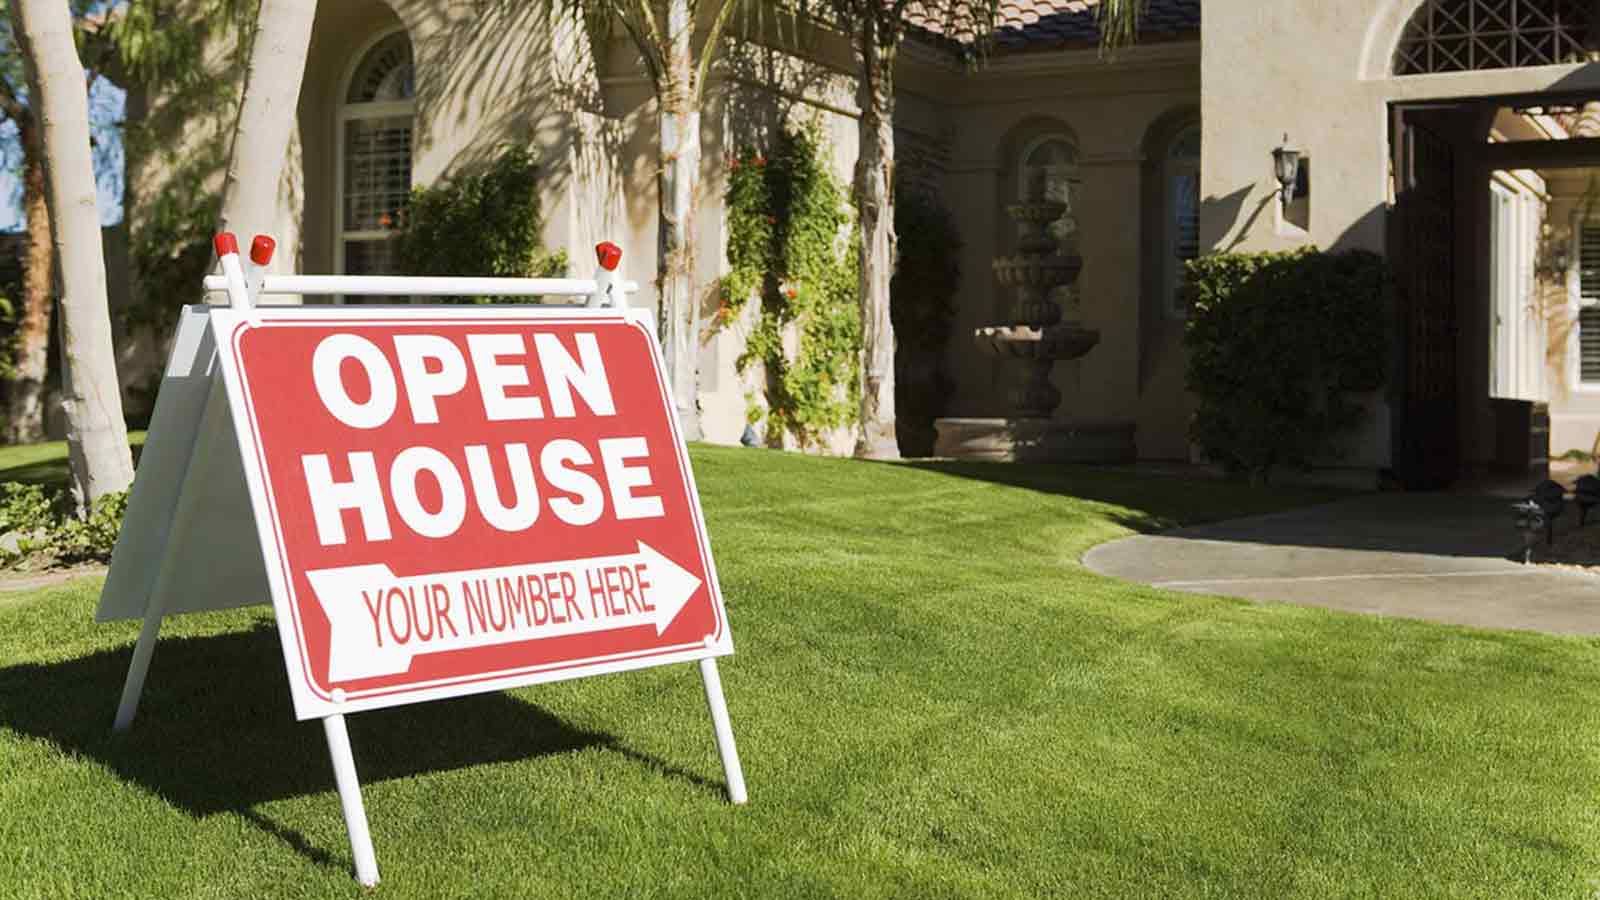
{"points": [[377, 109], [343, 112]]}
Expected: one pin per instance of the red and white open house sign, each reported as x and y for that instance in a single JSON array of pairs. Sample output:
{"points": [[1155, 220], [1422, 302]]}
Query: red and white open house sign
{"points": [[457, 503]]}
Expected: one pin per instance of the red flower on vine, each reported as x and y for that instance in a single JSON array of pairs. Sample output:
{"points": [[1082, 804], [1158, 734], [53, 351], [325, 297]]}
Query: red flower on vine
{"points": [[772, 220], [760, 161], [791, 293], [733, 165]]}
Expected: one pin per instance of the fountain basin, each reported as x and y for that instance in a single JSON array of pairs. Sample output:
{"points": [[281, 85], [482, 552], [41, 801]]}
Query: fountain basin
{"points": [[1037, 272], [1053, 342], [1032, 439]]}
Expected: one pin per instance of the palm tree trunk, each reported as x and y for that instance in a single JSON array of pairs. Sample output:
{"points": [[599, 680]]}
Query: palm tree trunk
{"points": [[875, 199], [97, 438], [267, 116], [25, 415], [678, 97]]}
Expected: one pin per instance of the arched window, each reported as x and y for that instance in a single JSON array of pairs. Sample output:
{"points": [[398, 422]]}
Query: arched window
{"points": [[1464, 35], [1048, 170], [375, 125], [1180, 180]]}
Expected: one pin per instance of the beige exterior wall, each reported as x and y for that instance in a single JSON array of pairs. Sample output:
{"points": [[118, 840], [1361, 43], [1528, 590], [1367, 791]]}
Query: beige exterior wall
{"points": [[1118, 116], [512, 76], [486, 81], [504, 74], [1319, 71]]}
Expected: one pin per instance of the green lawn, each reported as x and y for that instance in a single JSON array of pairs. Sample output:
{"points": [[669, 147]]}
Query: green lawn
{"points": [[932, 699], [45, 463]]}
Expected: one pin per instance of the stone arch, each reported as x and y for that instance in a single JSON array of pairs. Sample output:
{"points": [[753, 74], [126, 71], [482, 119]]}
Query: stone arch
{"points": [[1383, 35], [1020, 154]]}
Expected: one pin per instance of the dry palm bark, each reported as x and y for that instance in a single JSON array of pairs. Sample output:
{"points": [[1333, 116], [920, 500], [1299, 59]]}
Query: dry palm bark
{"points": [[25, 415]]}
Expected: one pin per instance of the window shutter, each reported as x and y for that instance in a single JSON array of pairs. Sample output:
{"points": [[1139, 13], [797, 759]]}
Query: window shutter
{"points": [[1589, 300], [1589, 265], [1589, 344]]}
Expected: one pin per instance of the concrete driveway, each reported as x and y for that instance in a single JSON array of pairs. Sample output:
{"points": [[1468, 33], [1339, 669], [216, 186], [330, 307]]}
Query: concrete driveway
{"points": [[1441, 557]]}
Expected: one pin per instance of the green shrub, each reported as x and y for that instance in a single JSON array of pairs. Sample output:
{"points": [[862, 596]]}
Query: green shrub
{"points": [[483, 224], [922, 302], [1279, 344], [792, 244], [92, 538], [41, 529]]}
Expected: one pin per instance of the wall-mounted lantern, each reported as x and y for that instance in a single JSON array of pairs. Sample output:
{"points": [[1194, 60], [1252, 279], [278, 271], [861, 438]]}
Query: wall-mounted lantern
{"points": [[1286, 167]]}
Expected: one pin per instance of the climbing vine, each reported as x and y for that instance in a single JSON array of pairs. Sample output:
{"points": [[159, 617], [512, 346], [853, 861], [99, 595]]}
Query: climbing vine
{"points": [[791, 244]]}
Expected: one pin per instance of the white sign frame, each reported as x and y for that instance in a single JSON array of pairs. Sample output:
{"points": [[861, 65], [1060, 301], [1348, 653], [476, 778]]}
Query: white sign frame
{"points": [[186, 467], [230, 326]]}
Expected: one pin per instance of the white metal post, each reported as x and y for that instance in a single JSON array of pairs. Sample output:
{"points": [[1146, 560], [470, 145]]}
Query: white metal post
{"points": [[227, 247], [133, 687], [355, 813], [233, 271], [719, 722]]}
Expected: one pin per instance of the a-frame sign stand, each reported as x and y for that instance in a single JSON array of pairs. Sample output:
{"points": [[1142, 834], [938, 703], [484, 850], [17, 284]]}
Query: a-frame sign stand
{"points": [[203, 528]]}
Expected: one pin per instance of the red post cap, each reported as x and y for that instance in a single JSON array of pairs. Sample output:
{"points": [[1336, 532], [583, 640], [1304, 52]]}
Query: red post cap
{"points": [[225, 243], [609, 254], [261, 249]]}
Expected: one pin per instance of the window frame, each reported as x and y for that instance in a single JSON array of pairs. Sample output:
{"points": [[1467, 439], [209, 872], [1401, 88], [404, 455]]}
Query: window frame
{"points": [[1171, 168], [346, 112]]}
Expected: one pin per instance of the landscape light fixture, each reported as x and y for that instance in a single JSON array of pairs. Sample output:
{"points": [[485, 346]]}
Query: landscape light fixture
{"points": [[1286, 166]]}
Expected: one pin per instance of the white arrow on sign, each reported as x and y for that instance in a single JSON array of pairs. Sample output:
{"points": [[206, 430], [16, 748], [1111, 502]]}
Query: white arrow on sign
{"points": [[380, 621]]}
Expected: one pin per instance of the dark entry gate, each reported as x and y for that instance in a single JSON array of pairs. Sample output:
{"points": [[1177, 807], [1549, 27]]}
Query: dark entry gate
{"points": [[1427, 451]]}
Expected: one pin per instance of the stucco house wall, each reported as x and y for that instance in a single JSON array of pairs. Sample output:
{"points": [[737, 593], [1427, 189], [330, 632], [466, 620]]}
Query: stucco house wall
{"points": [[1117, 114], [511, 76], [1334, 103], [502, 74]]}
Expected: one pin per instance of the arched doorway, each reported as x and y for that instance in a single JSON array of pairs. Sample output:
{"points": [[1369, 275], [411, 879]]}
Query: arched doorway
{"points": [[1440, 229]]}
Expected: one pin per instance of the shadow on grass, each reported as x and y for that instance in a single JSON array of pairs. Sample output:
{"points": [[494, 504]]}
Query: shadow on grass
{"points": [[47, 463], [216, 731], [1150, 502]]}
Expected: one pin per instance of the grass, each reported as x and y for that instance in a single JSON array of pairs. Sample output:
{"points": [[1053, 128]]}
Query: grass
{"points": [[46, 463], [932, 699]]}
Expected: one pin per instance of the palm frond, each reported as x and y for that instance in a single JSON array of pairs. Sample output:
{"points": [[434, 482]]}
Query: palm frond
{"points": [[1119, 22]]}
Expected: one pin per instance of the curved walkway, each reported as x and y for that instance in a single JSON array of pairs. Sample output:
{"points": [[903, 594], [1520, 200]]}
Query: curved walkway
{"points": [[1441, 557]]}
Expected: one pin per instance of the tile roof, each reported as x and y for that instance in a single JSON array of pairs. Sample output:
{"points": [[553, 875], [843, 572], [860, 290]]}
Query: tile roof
{"points": [[1047, 24]]}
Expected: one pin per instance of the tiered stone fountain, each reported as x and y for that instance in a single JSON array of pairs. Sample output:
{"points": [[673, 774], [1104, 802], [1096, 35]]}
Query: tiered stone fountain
{"points": [[1039, 335]]}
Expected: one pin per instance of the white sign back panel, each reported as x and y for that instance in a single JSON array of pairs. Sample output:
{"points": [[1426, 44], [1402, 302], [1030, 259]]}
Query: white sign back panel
{"points": [[190, 493]]}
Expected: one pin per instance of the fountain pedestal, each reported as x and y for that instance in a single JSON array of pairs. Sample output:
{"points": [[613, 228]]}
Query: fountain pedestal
{"points": [[1036, 338]]}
